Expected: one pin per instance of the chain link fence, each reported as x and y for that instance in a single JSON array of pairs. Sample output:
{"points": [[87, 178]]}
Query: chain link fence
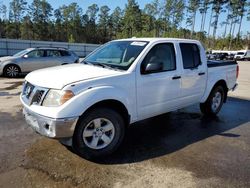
{"points": [[12, 46]]}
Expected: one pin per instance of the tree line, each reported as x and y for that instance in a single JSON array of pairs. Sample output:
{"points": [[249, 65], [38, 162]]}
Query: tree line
{"points": [[166, 18]]}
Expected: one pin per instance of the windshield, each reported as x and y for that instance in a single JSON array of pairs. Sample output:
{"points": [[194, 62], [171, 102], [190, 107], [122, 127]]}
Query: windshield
{"points": [[21, 53], [116, 54]]}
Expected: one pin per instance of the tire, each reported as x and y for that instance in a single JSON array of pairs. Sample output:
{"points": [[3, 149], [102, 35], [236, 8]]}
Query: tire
{"points": [[98, 133], [213, 104], [11, 71]]}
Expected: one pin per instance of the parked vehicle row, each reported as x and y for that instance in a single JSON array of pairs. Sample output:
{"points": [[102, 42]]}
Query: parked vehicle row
{"points": [[35, 58], [89, 105], [239, 55]]}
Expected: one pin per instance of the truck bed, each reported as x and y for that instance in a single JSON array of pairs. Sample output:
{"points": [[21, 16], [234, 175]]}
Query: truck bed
{"points": [[215, 63], [222, 69]]}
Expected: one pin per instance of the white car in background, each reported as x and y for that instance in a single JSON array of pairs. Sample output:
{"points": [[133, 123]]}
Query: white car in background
{"points": [[242, 55]]}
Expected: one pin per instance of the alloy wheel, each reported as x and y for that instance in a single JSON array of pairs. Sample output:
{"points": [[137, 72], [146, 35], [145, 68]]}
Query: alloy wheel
{"points": [[98, 133]]}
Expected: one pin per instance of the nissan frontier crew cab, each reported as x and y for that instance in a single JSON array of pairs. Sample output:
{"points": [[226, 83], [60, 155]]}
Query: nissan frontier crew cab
{"points": [[89, 105]]}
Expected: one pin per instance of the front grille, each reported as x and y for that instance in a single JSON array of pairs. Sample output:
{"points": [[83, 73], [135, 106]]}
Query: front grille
{"points": [[33, 94], [38, 96]]}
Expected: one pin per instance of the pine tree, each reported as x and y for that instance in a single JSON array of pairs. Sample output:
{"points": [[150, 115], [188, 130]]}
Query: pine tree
{"points": [[132, 19], [58, 26], [27, 28], [104, 18], [192, 10], [203, 11], [116, 22], [91, 31], [242, 10], [16, 11], [217, 8], [41, 11], [3, 12]]}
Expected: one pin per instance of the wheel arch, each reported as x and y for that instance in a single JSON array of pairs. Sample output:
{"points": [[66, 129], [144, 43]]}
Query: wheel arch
{"points": [[222, 83], [112, 104], [225, 88], [9, 64]]}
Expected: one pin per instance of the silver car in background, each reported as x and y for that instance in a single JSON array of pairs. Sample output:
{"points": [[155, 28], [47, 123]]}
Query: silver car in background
{"points": [[35, 58]]}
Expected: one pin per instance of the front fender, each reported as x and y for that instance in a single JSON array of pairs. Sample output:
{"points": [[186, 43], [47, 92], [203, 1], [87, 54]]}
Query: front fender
{"points": [[81, 102], [8, 62]]}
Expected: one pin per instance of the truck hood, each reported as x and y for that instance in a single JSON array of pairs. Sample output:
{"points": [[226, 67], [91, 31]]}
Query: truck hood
{"points": [[60, 76]]}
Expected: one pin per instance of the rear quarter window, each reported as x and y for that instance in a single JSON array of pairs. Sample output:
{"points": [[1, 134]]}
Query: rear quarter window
{"points": [[65, 53], [53, 53]]}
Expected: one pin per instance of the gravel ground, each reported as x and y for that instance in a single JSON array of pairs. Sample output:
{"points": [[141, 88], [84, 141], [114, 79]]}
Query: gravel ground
{"points": [[179, 149]]}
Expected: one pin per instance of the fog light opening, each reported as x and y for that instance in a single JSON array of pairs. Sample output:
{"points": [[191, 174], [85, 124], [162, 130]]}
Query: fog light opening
{"points": [[46, 126]]}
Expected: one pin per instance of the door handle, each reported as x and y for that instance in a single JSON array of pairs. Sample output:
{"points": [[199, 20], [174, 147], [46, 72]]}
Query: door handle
{"points": [[201, 73], [176, 77]]}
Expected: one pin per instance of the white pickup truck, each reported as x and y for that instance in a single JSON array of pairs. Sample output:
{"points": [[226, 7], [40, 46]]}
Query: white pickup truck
{"points": [[89, 105]]}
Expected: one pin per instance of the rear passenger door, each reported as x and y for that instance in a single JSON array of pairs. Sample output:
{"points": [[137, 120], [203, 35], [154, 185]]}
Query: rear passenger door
{"points": [[193, 79], [53, 58], [66, 57]]}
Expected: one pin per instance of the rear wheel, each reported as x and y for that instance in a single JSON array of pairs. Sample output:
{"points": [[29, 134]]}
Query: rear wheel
{"points": [[11, 71], [213, 104], [98, 133]]}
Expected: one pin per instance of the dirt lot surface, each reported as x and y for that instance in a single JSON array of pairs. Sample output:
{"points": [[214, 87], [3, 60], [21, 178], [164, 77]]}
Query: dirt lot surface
{"points": [[179, 149]]}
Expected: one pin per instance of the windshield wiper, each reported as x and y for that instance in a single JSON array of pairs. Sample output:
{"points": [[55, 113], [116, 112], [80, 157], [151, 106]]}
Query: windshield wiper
{"points": [[103, 65], [86, 63]]}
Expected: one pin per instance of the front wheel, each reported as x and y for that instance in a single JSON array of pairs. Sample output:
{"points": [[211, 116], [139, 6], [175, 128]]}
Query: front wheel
{"points": [[213, 104], [98, 133], [11, 71]]}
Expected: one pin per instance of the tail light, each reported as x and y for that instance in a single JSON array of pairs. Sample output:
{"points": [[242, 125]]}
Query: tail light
{"points": [[237, 71]]}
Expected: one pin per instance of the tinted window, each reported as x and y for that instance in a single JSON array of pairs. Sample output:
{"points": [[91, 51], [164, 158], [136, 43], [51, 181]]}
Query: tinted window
{"points": [[65, 53], [240, 53], [161, 53], [36, 53], [53, 53], [190, 55]]}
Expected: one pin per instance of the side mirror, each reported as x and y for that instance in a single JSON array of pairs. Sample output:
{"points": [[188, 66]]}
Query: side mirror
{"points": [[153, 67], [25, 56]]}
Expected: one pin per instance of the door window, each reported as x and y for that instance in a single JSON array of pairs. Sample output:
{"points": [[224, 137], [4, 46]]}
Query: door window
{"points": [[53, 53], [36, 53], [190, 55], [161, 53], [64, 53]]}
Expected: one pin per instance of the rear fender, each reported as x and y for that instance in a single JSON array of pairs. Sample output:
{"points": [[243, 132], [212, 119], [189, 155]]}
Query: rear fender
{"points": [[210, 87]]}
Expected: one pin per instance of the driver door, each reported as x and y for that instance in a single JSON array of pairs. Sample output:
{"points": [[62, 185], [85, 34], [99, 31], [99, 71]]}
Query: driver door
{"points": [[34, 60], [158, 92]]}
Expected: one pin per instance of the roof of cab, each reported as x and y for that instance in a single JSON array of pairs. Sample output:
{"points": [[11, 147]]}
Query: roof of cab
{"points": [[157, 39]]}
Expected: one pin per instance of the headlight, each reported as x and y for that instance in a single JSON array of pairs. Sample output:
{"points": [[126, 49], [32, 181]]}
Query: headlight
{"points": [[57, 97]]}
